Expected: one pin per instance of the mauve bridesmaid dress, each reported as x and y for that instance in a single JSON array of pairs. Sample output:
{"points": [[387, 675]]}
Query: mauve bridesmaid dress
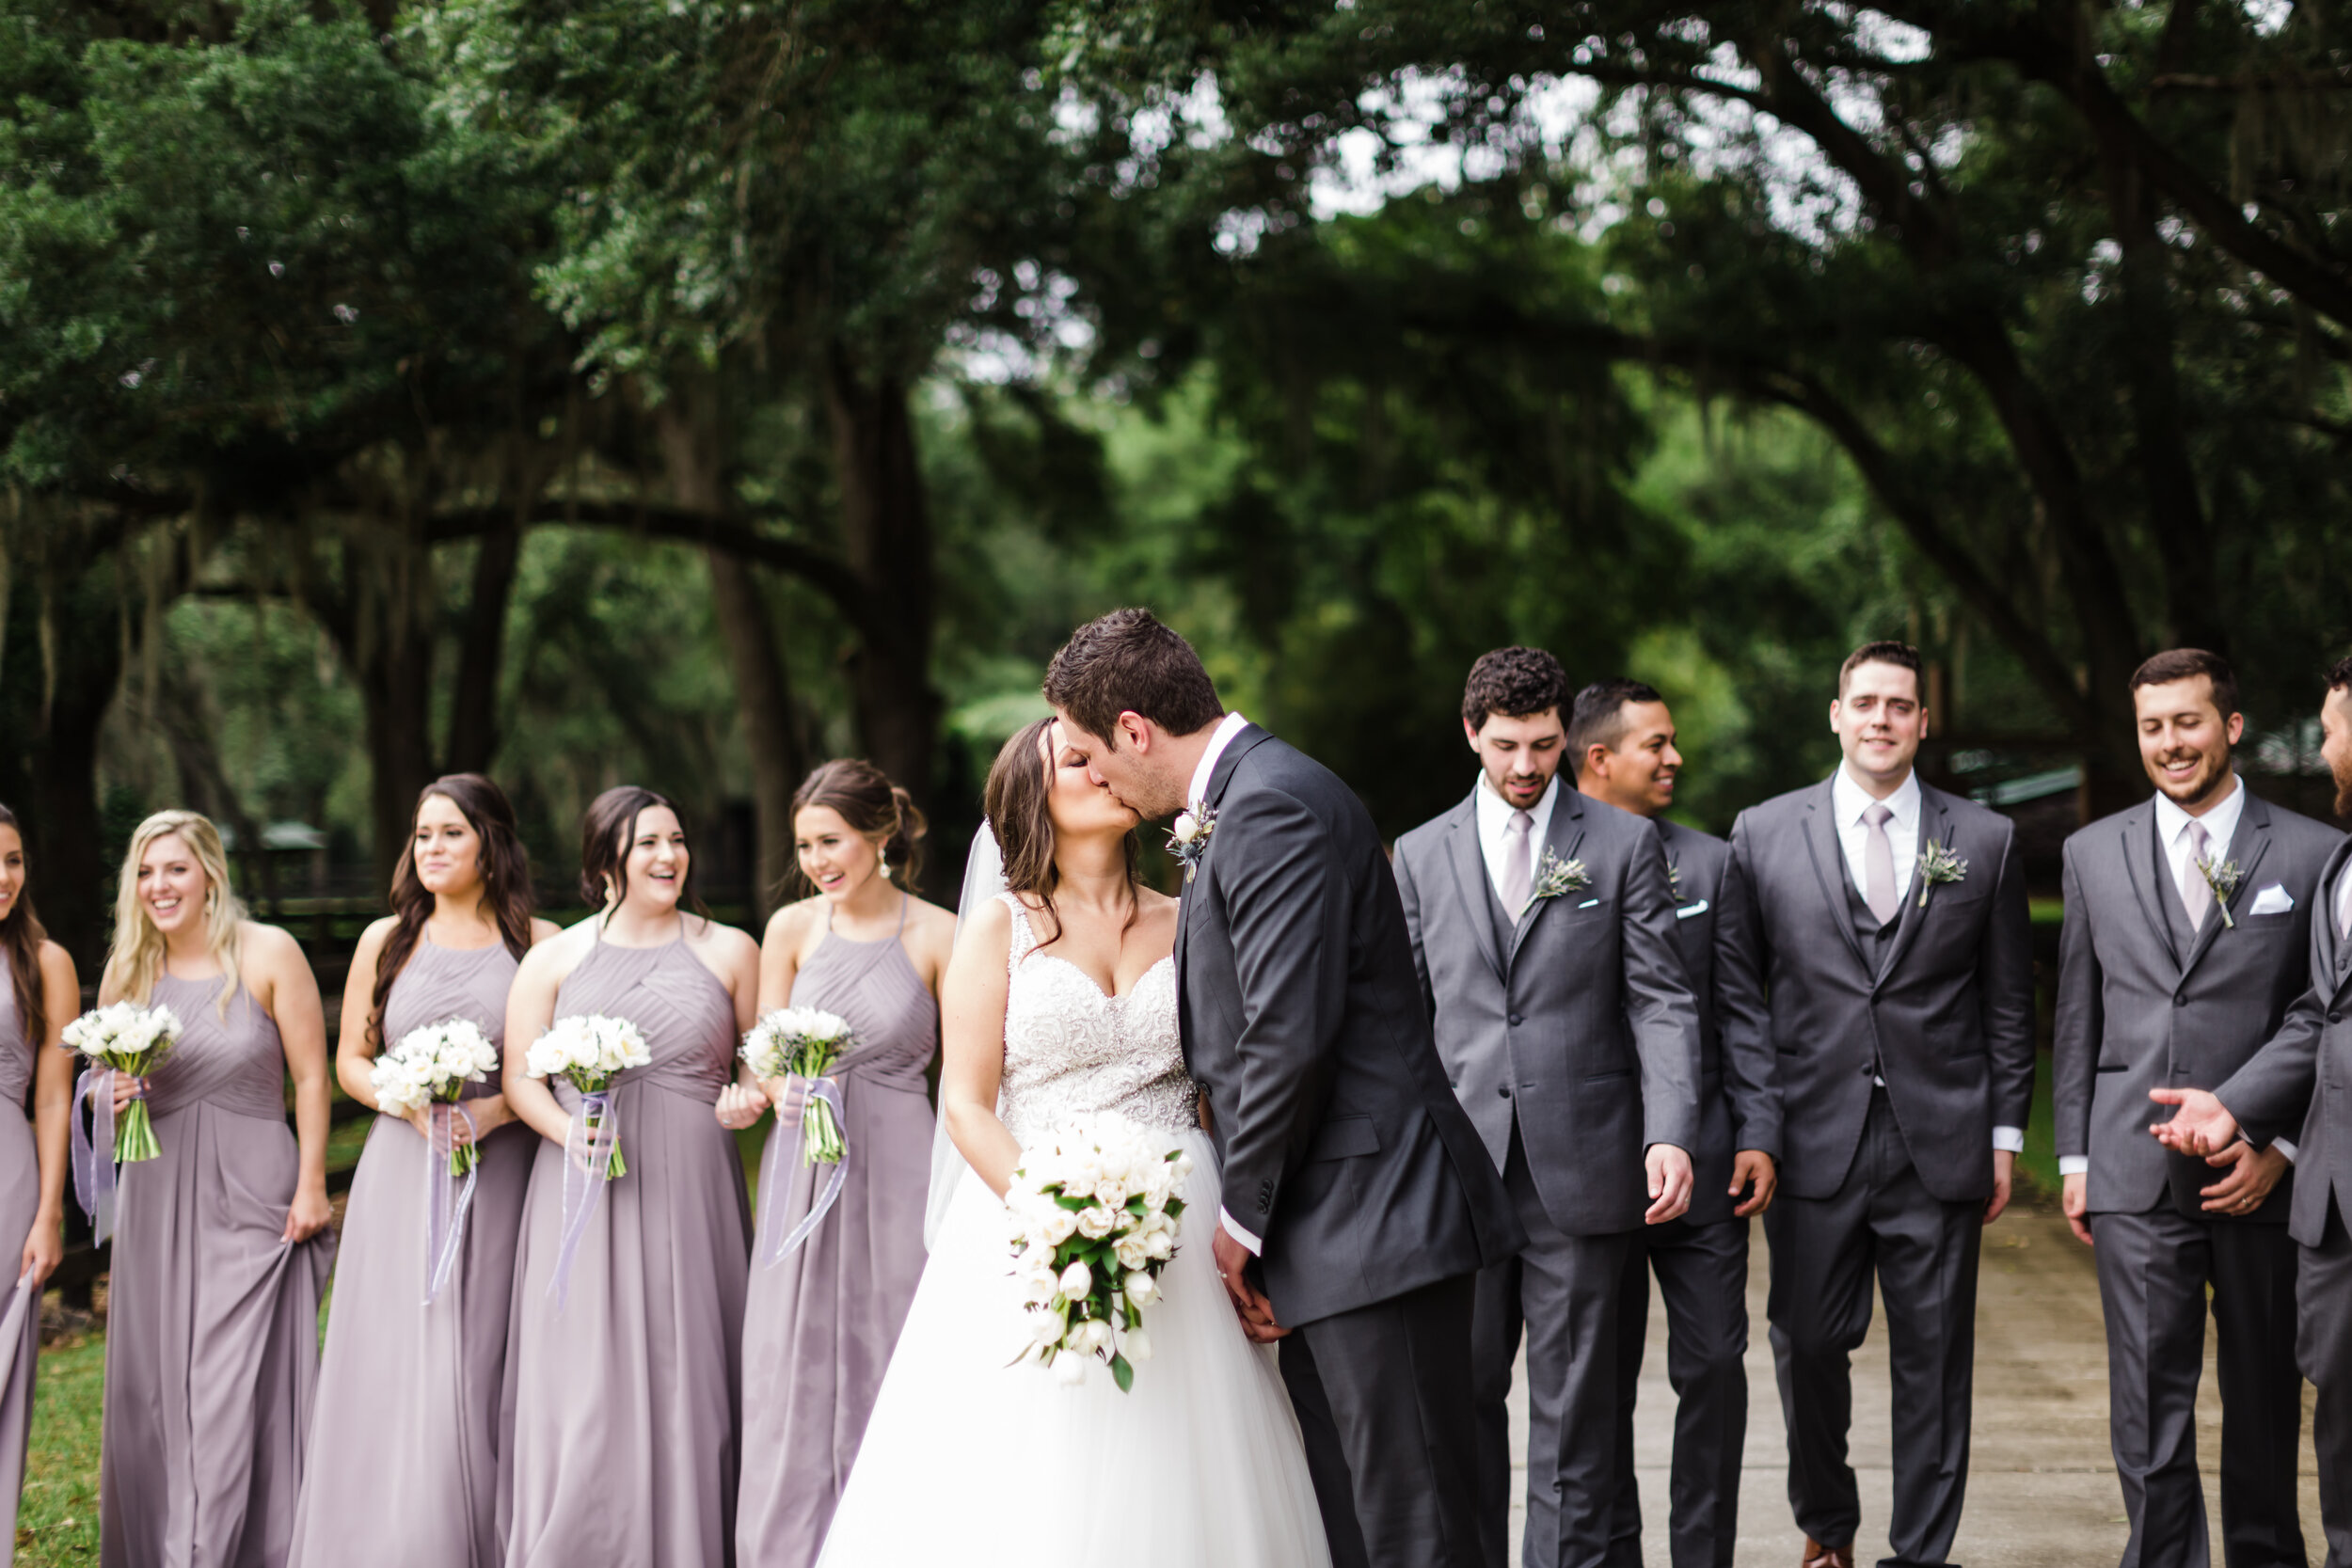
{"points": [[20, 1200], [407, 1443], [212, 1321], [823, 1322], [624, 1397]]}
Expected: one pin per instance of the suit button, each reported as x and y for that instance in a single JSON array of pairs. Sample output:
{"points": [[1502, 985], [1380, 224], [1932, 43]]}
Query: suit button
{"points": [[1867, 1073], [2335, 1017], [1517, 1019], [2180, 999], [1504, 1091]]}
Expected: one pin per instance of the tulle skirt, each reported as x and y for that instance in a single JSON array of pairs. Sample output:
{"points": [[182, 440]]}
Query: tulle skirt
{"points": [[971, 1461]]}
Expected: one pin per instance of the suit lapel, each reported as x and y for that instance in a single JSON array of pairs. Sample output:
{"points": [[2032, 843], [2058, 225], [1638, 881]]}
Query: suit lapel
{"points": [[1245, 740], [2142, 854], [1468, 860], [2248, 847], [1935, 826], [2338, 952], [1565, 837], [1829, 868]]}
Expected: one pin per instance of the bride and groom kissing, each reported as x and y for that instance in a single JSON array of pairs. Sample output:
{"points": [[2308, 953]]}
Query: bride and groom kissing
{"points": [[1273, 1018]]}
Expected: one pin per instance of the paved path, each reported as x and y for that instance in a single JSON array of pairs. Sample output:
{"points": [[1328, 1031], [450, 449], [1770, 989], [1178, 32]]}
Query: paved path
{"points": [[2041, 1490]]}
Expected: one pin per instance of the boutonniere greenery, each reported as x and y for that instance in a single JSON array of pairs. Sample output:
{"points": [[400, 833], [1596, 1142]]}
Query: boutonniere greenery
{"points": [[2223, 877], [1556, 878], [1938, 864], [1188, 837], [1674, 879]]}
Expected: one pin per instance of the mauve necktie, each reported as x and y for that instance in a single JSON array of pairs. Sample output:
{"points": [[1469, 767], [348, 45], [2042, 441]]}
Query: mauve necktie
{"points": [[1878, 863], [2196, 893], [1519, 879]]}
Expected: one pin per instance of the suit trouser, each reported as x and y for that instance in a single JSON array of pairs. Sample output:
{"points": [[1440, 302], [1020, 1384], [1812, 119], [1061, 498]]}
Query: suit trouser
{"points": [[1703, 1274], [2323, 1348], [1924, 1252], [1383, 1397], [1567, 1293], [2153, 1268]]}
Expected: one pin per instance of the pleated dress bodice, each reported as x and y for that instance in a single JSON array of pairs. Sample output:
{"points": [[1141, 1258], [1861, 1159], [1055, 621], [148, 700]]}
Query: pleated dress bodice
{"points": [[439, 984], [20, 1201], [236, 1063]]}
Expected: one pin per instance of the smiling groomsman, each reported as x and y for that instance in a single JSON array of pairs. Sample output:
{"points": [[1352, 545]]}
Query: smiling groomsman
{"points": [[1621, 738], [1886, 924], [2187, 932], [1543, 929]]}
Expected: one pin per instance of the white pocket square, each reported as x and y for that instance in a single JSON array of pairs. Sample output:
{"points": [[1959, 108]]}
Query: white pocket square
{"points": [[1688, 909], [2274, 899], [1588, 903]]}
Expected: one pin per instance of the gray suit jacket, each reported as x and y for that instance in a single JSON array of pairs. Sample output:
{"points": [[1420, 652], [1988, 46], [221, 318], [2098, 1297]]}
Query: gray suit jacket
{"points": [[1583, 1026], [2303, 1077], [1949, 1016], [2134, 1014], [1342, 1148], [1739, 1101]]}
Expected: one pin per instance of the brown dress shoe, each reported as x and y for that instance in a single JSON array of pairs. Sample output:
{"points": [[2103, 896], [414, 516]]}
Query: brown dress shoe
{"points": [[1819, 1556]]}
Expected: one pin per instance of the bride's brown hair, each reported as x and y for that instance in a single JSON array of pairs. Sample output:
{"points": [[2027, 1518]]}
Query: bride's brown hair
{"points": [[1020, 783]]}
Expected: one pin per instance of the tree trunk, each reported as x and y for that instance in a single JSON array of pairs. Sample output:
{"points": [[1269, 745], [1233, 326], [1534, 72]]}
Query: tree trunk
{"points": [[764, 699], [397, 680], [473, 736]]}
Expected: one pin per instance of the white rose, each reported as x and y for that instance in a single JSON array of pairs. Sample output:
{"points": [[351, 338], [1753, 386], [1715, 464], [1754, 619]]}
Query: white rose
{"points": [[1076, 1280], [1142, 1289], [1138, 1346], [1069, 1369], [1110, 1193], [1061, 1225], [1045, 1329], [1187, 827], [1098, 1336], [1161, 1245], [1040, 1285], [1131, 1252], [1095, 1223]]}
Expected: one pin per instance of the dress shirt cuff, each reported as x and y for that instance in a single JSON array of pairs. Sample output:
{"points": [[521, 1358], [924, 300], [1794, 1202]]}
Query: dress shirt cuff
{"points": [[1233, 1229], [2074, 1164], [2284, 1148], [2011, 1140]]}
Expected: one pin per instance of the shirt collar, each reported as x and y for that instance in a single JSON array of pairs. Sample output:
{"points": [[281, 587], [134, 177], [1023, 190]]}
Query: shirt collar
{"points": [[1232, 725], [1494, 811], [2220, 822], [1849, 800]]}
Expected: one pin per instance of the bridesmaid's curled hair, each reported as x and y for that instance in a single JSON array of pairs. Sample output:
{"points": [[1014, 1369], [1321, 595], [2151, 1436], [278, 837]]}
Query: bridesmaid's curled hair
{"points": [[1020, 787], [505, 880], [21, 936], [875, 809], [605, 834]]}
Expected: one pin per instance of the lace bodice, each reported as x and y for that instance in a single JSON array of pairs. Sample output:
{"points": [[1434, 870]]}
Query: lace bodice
{"points": [[1071, 1051]]}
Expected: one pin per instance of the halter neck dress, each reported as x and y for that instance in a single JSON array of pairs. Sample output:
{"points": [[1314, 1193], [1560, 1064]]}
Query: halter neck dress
{"points": [[20, 1200], [823, 1321], [624, 1397], [407, 1434], [212, 1320]]}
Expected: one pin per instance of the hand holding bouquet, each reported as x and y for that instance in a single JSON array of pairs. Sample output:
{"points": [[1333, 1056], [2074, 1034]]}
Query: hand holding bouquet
{"points": [[433, 1064], [1095, 1219], [590, 1051], [804, 1042], [131, 1039]]}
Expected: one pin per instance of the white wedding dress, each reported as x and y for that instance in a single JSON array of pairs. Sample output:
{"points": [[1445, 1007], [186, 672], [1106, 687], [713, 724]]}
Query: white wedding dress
{"points": [[974, 1461]]}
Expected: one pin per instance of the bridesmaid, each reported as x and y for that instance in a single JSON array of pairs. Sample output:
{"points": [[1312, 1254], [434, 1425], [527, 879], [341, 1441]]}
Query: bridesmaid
{"points": [[38, 999], [623, 1392], [408, 1434], [823, 1321], [220, 1248]]}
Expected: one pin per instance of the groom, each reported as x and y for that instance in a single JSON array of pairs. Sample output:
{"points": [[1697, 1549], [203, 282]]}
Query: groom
{"points": [[1359, 1203]]}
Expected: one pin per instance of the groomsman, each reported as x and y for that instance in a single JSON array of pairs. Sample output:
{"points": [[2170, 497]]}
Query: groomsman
{"points": [[1543, 929], [2300, 1087], [1621, 738], [1886, 922], [2187, 936]]}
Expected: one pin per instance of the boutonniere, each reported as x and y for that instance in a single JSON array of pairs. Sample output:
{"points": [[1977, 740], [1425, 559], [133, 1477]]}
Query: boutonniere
{"points": [[1555, 877], [1674, 879], [1188, 837], [1937, 863], [2223, 877]]}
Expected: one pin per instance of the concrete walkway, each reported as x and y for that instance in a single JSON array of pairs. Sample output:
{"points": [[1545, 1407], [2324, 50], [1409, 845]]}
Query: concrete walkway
{"points": [[2041, 1490]]}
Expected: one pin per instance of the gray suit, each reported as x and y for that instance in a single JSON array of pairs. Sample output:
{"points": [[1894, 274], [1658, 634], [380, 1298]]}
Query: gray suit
{"points": [[2301, 1083], [2145, 1002], [1570, 1035], [1342, 1148], [1888, 1179]]}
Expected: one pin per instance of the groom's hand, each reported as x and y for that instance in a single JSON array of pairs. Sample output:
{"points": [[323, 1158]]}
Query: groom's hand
{"points": [[1670, 1183], [1249, 1303]]}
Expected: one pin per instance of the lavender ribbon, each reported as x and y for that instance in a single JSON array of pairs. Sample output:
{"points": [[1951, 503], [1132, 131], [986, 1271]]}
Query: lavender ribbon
{"points": [[830, 1092], [445, 1204], [580, 1202], [93, 1173]]}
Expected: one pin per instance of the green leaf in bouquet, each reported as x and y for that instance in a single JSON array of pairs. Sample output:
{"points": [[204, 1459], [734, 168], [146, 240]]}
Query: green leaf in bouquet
{"points": [[1122, 1374]]}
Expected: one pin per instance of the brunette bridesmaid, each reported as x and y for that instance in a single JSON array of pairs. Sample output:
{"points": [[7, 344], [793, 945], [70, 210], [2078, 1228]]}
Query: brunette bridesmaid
{"points": [[406, 1434], [824, 1318], [220, 1247], [38, 999], [624, 1382]]}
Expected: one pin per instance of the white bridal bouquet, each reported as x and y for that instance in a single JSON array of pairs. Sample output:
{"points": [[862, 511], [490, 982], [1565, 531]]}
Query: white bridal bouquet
{"points": [[434, 1063], [1095, 1217], [589, 1051], [128, 1038], [805, 1042]]}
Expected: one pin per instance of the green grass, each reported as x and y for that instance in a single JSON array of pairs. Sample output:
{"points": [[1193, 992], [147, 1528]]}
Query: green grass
{"points": [[58, 1521], [2038, 1163]]}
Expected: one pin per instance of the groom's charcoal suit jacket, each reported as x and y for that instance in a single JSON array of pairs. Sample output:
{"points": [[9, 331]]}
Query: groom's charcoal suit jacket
{"points": [[1342, 1148], [1576, 1019]]}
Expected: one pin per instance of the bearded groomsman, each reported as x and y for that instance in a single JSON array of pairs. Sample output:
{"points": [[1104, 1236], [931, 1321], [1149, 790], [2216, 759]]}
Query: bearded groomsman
{"points": [[1543, 929], [2299, 1087], [1886, 924], [2187, 936], [1621, 738]]}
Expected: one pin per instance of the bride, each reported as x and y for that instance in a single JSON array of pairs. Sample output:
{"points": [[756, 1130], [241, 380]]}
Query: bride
{"points": [[1060, 1002]]}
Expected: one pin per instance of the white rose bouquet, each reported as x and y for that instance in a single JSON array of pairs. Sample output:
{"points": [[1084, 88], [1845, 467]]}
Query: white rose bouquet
{"points": [[430, 1064], [805, 1042], [1095, 1219], [130, 1039], [589, 1051]]}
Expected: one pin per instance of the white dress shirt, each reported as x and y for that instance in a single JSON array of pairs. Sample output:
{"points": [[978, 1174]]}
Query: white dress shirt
{"points": [[1494, 829], [2344, 900], [1231, 725]]}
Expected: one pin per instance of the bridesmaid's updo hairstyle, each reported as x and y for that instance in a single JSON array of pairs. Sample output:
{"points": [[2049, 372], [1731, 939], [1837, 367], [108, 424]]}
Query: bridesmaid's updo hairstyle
{"points": [[21, 936], [1020, 787], [605, 835], [876, 810], [505, 880], [138, 953]]}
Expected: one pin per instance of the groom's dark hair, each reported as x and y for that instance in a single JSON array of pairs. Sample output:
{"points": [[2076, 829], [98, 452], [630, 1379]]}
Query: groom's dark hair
{"points": [[1128, 662]]}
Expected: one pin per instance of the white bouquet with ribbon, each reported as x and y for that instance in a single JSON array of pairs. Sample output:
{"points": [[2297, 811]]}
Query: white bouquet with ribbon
{"points": [[125, 1037], [590, 1051], [433, 1064], [804, 1042], [1095, 1218]]}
